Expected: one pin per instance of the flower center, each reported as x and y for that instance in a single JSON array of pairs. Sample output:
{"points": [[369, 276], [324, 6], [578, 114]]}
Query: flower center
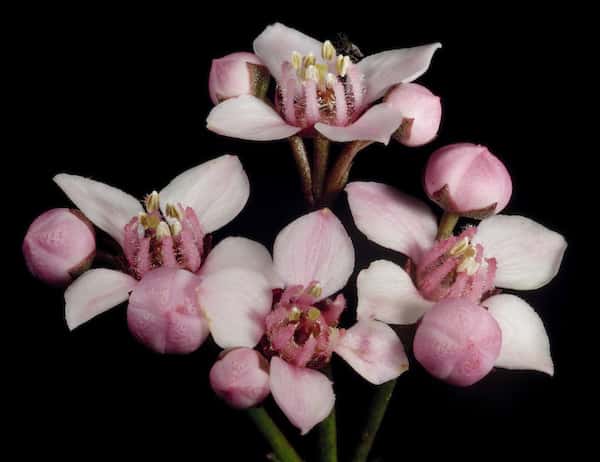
{"points": [[329, 91], [301, 330], [455, 267], [174, 239]]}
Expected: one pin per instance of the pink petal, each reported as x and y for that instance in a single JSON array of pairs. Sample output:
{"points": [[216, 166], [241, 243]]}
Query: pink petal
{"points": [[373, 350], [304, 395], [248, 118], [239, 252], [391, 218], [94, 292], [236, 302], [377, 124], [386, 293], [217, 190], [528, 254], [110, 209], [315, 247], [276, 43], [525, 343], [388, 68]]}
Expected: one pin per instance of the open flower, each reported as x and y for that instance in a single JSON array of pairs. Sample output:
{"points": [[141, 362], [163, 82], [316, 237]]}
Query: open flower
{"points": [[313, 257], [165, 260], [321, 88], [504, 251]]}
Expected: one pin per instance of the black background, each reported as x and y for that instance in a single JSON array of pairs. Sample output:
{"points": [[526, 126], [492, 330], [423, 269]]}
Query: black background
{"points": [[121, 96]]}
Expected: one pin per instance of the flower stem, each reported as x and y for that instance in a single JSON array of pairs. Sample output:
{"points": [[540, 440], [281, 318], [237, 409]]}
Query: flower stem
{"points": [[320, 159], [301, 158], [377, 412], [328, 433], [338, 177], [283, 450], [447, 224]]}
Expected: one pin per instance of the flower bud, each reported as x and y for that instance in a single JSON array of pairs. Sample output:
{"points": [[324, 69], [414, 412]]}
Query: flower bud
{"points": [[59, 245], [235, 75], [163, 312], [458, 341], [422, 111], [468, 180], [241, 378]]}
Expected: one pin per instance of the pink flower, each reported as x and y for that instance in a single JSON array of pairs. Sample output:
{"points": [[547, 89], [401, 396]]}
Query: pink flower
{"points": [[504, 251], [467, 179], [317, 87], [234, 75], [313, 257], [59, 245], [422, 112]]}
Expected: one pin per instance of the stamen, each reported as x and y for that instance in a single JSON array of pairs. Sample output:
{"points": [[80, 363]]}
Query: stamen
{"points": [[468, 265], [330, 80], [460, 247], [322, 68], [309, 60], [342, 64], [316, 290], [312, 73], [174, 211], [152, 202], [294, 314], [162, 230], [148, 221], [296, 60], [313, 313], [327, 50], [175, 226]]}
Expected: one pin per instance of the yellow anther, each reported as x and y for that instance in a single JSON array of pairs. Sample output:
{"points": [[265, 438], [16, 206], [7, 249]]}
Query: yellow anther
{"points": [[313, 313], [330, 80], [327, 50], [152, 202], [322, 69], [312, 73], [175, 226], [162, 230], [468, 265], [294, 314], [174, 211], [296, 60], [315, 290], [460, 247], [148, 221], [344, 66], [309, 60]]}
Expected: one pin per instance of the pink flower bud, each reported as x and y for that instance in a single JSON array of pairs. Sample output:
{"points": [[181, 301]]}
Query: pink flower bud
{"points": [[241, 378], [458, 341], [59, 245], [235, 75], [163, 312], [468, 180], [422, 112]]}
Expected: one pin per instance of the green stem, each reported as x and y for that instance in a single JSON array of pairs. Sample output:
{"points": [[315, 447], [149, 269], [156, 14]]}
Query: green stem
{"points": [[447, 224], [338, 177], [320, 159], [328, 433], [301, 158], [377, 412], [284, 452]]}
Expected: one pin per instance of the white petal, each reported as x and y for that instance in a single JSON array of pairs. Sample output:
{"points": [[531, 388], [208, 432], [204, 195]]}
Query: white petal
{"points": [[95, 292], [525, 343], [239, 252], [528, 254], [110, 209], [387, 293], [248, 118], [377, 124], [236, 302], [391, 218], [315, 247], [373, 350], [304, 395], [386, 69], [217, 190], [276, 43]]}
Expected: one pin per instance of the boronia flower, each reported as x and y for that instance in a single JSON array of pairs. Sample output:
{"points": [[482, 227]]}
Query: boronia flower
{"points": [[313, 257], [319, 87], [504, 251]]}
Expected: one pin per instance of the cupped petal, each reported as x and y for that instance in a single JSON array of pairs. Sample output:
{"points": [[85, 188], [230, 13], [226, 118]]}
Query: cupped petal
{"points": [[95, 292], [525, 343], [386, 293], [315, 247], [528, 254], [304, 395], [248, 118], [377, 124], [276, 43], [217, 190], [239, 252], [391, 218], [388, 68], [373, 350], [235, 302], [110, 209]]}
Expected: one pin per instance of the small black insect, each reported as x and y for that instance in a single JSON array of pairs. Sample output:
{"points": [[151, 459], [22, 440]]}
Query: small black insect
{"points": [[344, 46]]}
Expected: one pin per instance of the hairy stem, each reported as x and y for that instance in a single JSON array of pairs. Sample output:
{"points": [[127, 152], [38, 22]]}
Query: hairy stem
{"points": [[301, 158], [283, 450], [320, 160], [446, 226], [338, 177]]}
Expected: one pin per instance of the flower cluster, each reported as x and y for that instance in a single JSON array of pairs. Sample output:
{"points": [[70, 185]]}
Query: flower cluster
{"points": [[277, 316]]}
